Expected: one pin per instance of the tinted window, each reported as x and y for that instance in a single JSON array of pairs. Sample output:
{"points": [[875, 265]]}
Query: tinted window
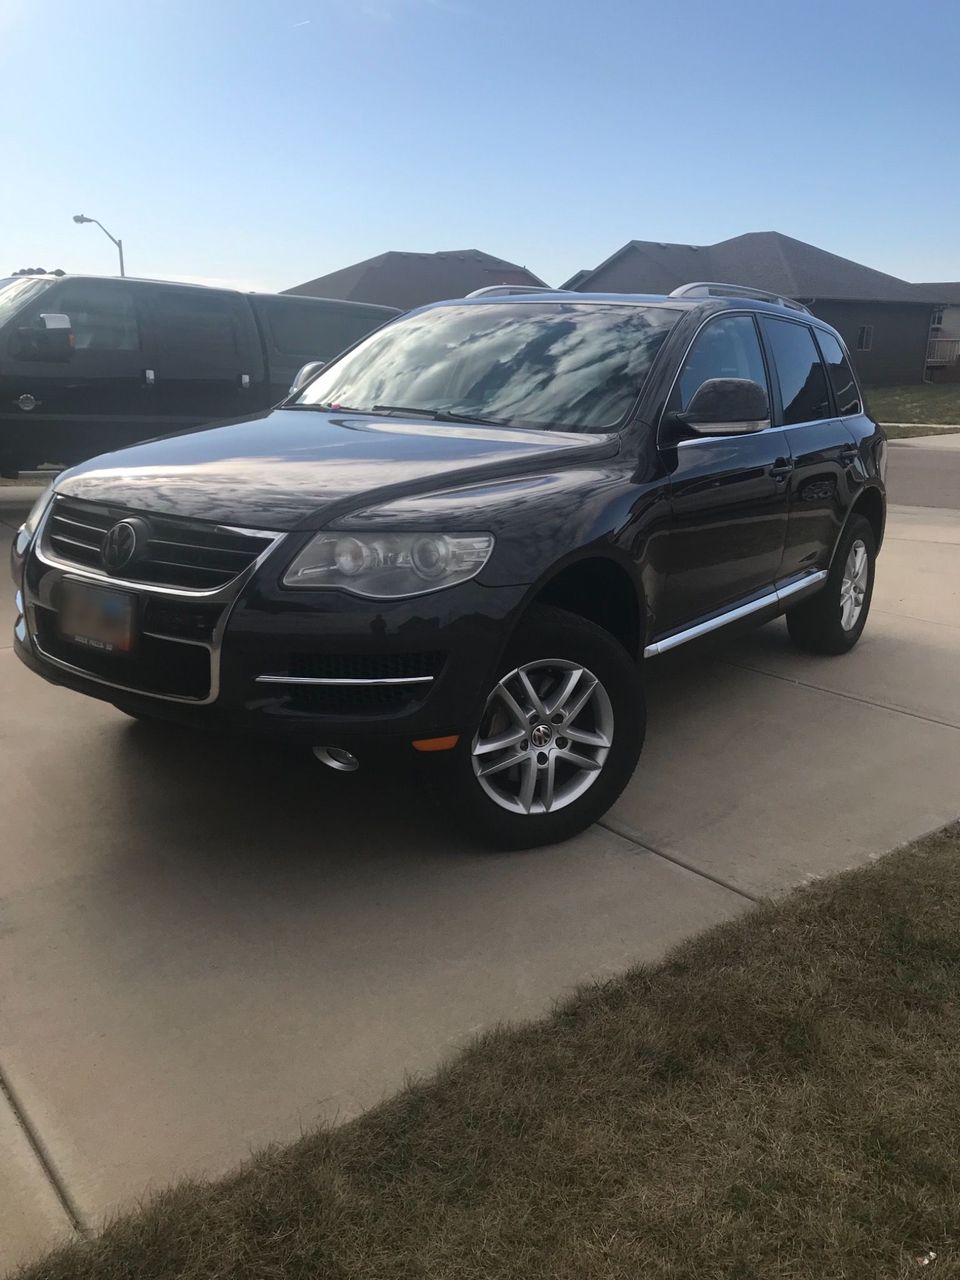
{"points": [[103, 315], [727, 347], [575, 366], [803, 383], [316, 330], [841, 375], [197, 329]]}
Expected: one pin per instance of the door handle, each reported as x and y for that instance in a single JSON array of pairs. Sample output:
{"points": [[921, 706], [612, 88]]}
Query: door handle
{"points": [[149, 377], [781, 469], [849, 454]]}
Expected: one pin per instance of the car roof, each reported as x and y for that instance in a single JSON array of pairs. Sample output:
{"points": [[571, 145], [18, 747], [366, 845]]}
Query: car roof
{"points": [[704, 305]]}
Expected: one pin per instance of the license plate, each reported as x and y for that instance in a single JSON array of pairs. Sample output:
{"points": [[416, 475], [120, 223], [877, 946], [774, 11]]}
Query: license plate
{"points": [[97, 617]]}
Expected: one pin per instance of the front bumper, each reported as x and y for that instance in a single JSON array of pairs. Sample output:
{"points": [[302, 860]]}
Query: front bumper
{"points": [[338, 669]]}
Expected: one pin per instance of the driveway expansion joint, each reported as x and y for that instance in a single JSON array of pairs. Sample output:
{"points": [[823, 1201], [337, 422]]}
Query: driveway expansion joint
{"points": [[627, 833], [839, 693], [42, 1155]]}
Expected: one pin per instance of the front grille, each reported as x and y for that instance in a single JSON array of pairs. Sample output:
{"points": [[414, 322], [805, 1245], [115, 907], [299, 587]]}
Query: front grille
{"points": [[179, 553], [370, 666], [155, 666], [182, 619]]}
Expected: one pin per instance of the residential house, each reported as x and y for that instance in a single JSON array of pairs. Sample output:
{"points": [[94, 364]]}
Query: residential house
{"points": [[943, 352], [884, 320], [407, 280]]}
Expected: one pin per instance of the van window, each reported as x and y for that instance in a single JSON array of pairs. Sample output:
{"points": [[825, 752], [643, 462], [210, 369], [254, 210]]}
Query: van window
{"points": [[841, 375], [197, 329], [316, 330], [103, 315], [803, 383]]}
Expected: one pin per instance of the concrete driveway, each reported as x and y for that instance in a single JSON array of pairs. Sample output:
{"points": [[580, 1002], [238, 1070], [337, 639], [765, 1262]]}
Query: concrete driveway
{"points": [[206, 946]]}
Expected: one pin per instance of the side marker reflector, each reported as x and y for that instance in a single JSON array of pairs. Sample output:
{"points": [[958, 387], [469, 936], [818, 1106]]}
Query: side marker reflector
{"points": [[436, 744]]}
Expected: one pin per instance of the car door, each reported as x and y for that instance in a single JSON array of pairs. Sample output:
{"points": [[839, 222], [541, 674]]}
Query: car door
{"points": [[209, 361], [821, 448], [727, 493], [92, 400]]}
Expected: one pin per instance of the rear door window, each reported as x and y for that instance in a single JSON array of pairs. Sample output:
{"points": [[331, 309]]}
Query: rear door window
{"points": [[201, 333], [845, 387], [803, 382]]}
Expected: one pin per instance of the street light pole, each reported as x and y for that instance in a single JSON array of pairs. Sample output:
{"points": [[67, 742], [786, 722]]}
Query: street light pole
{"points": [[79, 217]]}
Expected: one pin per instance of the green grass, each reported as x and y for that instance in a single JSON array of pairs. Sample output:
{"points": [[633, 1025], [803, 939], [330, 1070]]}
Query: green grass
{"points": [[921, 402], [899, 431], [779, 1100]]}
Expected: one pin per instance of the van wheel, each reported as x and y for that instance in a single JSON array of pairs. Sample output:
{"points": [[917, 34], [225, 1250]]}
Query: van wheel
{"points": [[832, 621], [558, 737]]}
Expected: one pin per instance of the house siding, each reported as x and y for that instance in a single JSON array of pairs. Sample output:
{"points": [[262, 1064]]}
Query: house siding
{"points": [[900, 332]]}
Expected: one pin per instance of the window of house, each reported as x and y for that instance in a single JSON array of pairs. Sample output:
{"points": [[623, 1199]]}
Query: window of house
{"points": [[803, 382], [865, 337], [727, 347], [936, 318], [841, 375]]}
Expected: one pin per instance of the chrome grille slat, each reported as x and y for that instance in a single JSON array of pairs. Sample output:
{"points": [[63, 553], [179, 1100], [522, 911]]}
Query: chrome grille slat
{"points": [[179, 553]]}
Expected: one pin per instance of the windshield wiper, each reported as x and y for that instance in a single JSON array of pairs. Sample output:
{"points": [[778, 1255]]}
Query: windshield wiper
{"points": [[438, 415], [329, 407]]}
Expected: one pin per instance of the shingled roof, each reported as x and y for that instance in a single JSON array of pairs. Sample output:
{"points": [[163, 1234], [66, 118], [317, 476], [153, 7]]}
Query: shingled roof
{"points": [[406, 280], [763, 259]]}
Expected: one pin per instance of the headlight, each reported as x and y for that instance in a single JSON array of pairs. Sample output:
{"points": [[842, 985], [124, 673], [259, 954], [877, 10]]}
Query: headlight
{"points": [[386, 566], [29, 527]]}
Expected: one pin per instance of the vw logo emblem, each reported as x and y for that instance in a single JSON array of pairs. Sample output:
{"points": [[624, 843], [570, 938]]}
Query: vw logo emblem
{"points": [[122, 543], [541, 735]]}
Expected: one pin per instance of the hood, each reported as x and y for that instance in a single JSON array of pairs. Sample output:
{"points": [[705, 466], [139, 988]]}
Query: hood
{"points": [[297, 468]]}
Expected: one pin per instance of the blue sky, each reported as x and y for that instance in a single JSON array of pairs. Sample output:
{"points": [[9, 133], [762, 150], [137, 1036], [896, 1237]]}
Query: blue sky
{"points": [[264, 142]]}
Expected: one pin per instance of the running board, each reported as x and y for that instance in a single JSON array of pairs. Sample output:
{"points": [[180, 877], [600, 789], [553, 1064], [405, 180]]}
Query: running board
{"points": [[771, 600]]}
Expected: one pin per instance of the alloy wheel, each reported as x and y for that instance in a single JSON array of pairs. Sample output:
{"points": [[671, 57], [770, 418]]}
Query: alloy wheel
{"points": [[853, 586], [544, 736]]}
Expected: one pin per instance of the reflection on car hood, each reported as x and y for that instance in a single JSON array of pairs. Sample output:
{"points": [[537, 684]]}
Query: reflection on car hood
{"points": [[297, 468]]}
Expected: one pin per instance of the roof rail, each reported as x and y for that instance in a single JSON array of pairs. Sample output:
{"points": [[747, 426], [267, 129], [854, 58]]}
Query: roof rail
{"points": [[713, 289], [493, 290]]}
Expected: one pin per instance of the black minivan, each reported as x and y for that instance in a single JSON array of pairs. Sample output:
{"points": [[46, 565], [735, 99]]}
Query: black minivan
{"points": [[90, 364]]}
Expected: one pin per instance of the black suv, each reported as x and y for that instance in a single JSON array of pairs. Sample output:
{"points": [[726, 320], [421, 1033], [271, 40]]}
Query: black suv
{"points": [[467, 536], [89, 363]]}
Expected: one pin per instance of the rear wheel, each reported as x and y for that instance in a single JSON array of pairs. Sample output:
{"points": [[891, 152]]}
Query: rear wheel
{"points": [[832, 621], [558, 737]]}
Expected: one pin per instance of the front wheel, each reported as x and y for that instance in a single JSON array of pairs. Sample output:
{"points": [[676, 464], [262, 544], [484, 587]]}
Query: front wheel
{"points": [[557, 739]]}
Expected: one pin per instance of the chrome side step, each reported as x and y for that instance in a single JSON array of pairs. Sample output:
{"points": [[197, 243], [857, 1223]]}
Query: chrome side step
{"points": [[771, 599]]}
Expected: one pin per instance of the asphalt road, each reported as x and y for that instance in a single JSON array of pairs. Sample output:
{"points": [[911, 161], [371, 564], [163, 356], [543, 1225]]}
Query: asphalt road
{"points": [[921, 474]]}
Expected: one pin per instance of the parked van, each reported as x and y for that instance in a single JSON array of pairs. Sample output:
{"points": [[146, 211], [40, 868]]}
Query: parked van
{"points": [[90, 364]]}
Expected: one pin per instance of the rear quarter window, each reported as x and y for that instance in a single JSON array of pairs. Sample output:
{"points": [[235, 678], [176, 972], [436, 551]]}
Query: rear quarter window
{"points": [[845, 387]]}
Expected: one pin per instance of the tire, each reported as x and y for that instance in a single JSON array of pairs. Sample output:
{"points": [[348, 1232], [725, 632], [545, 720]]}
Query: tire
{"points": [[548, 650], [832, 621]]}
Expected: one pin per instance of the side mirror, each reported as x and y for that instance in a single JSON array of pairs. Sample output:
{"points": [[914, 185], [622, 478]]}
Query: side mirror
{"points": [[309, 370], [727, 406], [52, 339]]}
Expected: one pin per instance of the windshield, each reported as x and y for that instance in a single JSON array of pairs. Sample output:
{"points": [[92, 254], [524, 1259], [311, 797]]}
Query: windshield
{"points": [[15, 292], [570, 366]]}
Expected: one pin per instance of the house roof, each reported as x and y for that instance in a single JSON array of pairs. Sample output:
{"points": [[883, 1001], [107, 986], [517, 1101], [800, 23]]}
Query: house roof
{"points": [[943, 291], [405, 280], [762, 259]]}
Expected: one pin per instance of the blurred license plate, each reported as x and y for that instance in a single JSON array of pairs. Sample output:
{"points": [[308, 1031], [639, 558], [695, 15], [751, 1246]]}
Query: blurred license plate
{"points": [[97, 617]]}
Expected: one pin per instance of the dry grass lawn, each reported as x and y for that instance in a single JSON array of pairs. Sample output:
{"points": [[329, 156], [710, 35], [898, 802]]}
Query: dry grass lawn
{"points": [[779, 1100]]}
